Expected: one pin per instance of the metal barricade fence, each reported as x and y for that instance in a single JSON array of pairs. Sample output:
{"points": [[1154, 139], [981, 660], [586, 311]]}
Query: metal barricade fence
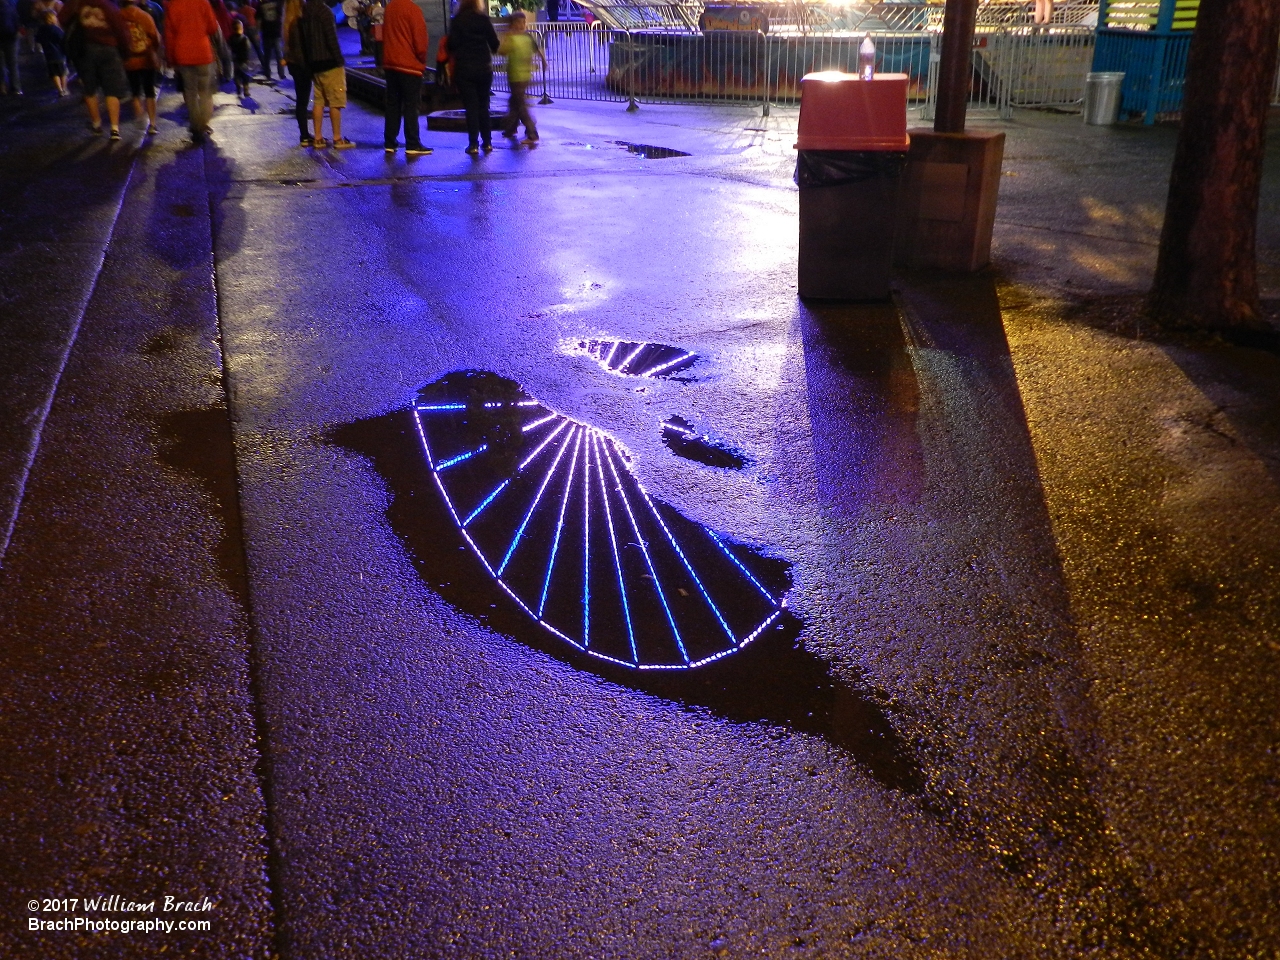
{"points": [[1046, 66], [1023, 67], [1018, 66]]}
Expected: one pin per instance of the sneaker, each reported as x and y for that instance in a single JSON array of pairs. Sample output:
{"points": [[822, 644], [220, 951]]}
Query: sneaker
{"points": [[306, 141], [343, 144], [418, 151], [151, 130], [473, 150], [95, 129], [320, 143], [391, 148], [488, 148], [530, 141], [115, 134]]}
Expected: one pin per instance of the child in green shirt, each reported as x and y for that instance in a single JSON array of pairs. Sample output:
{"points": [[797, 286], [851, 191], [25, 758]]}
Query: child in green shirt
{"points": [[519, 47]]}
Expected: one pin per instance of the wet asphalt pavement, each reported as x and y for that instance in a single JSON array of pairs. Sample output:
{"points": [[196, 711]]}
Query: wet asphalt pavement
{"points": [[1021, 699]]}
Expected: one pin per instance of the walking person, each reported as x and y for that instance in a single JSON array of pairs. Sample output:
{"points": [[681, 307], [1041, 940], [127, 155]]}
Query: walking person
{"points": [[248, 15], [189, 31], [327, 68], [271, 31], [240, 50], [10, 79], [519, 46], [102, 37], [222, 53], [404, 58], [295, 58], [53, 44], [142, 60], [472, 43]]}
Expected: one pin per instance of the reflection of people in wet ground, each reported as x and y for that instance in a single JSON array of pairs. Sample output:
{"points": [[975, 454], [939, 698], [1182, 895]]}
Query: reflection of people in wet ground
{"points": [[101, 37], [404, 58], [519, 47], [142, 65], [190, 30], [472, 43], [325, 63]]}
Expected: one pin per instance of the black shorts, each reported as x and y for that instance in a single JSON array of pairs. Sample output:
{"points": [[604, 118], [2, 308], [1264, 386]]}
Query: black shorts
{"points": [[101, 68], [143, 83], [57, 68]]}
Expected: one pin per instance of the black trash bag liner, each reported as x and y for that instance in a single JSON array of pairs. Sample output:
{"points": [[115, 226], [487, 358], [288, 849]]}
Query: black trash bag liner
{"points": [[831, 168]]}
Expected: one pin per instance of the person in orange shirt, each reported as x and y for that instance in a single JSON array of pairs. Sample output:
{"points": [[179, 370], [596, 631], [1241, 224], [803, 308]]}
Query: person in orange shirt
{"points": [[189, 26], [142, 59], [404, 58]]}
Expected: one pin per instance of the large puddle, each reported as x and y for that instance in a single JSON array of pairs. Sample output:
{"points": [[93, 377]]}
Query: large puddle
{"points": [[535, 524], [552, 510]]}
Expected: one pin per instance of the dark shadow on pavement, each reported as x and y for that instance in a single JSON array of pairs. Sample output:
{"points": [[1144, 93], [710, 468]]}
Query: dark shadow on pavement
{"points": [[863, 404], [773, 681], [197, 443], [917, 415]]}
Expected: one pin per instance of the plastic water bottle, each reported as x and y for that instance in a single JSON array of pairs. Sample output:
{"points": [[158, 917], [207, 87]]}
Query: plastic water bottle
{"points": [[867, 58]]}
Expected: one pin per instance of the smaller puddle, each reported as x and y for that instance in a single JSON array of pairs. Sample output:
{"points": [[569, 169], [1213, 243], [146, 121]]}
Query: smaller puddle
{"points": [[684, 441], [628, 358], [650, 152]]}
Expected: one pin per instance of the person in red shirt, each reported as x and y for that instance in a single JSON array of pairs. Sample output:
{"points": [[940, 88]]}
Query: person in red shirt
{"points": [[189, 26], [142, 59], [404, 58], [99, 63]]}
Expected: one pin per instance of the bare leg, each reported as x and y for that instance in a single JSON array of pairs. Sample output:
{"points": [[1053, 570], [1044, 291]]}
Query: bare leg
{"points": [[335, 121], [95, 117], [137, 108], [317, 117], [113, 112], [151, 111]]}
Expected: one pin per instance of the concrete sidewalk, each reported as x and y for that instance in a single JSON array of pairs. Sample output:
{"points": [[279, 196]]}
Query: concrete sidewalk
{"points": [[1030, 710]]}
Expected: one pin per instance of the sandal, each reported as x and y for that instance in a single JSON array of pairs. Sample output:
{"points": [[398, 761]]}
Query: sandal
{"points": [[152, 130], [343, 144], [320, 143]]}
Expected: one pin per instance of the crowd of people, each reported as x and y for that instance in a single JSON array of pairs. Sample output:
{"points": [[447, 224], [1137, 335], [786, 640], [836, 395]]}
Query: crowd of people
{"points": [[124, 52]]}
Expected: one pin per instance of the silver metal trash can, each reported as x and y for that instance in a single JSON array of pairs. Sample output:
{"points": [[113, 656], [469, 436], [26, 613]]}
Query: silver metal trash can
{"points": [[1102, 98]]}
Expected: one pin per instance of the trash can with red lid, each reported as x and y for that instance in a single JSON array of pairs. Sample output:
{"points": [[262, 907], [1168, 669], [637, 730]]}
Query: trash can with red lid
{"points": [[852, 147]]}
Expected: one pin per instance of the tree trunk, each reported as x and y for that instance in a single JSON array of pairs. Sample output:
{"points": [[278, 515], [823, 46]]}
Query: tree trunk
{"points": [[1206, 273]]}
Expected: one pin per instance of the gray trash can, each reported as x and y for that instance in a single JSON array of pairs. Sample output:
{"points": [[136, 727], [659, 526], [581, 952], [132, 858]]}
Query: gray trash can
{"points": [[1102, 98]]}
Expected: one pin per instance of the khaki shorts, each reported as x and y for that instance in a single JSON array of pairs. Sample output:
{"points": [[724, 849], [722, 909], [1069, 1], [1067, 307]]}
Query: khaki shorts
{"points": [[331, 87]]}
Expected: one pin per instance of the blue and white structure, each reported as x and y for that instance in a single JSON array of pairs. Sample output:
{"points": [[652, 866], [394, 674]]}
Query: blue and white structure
{"points": [[551, 508]]}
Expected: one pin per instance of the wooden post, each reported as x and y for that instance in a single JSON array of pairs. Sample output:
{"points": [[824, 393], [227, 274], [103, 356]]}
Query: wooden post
{"points": [[955, 70]]}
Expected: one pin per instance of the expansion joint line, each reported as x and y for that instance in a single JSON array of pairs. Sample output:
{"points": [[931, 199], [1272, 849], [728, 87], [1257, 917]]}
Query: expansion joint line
{"points": [[9, 524], [264, 769]]}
